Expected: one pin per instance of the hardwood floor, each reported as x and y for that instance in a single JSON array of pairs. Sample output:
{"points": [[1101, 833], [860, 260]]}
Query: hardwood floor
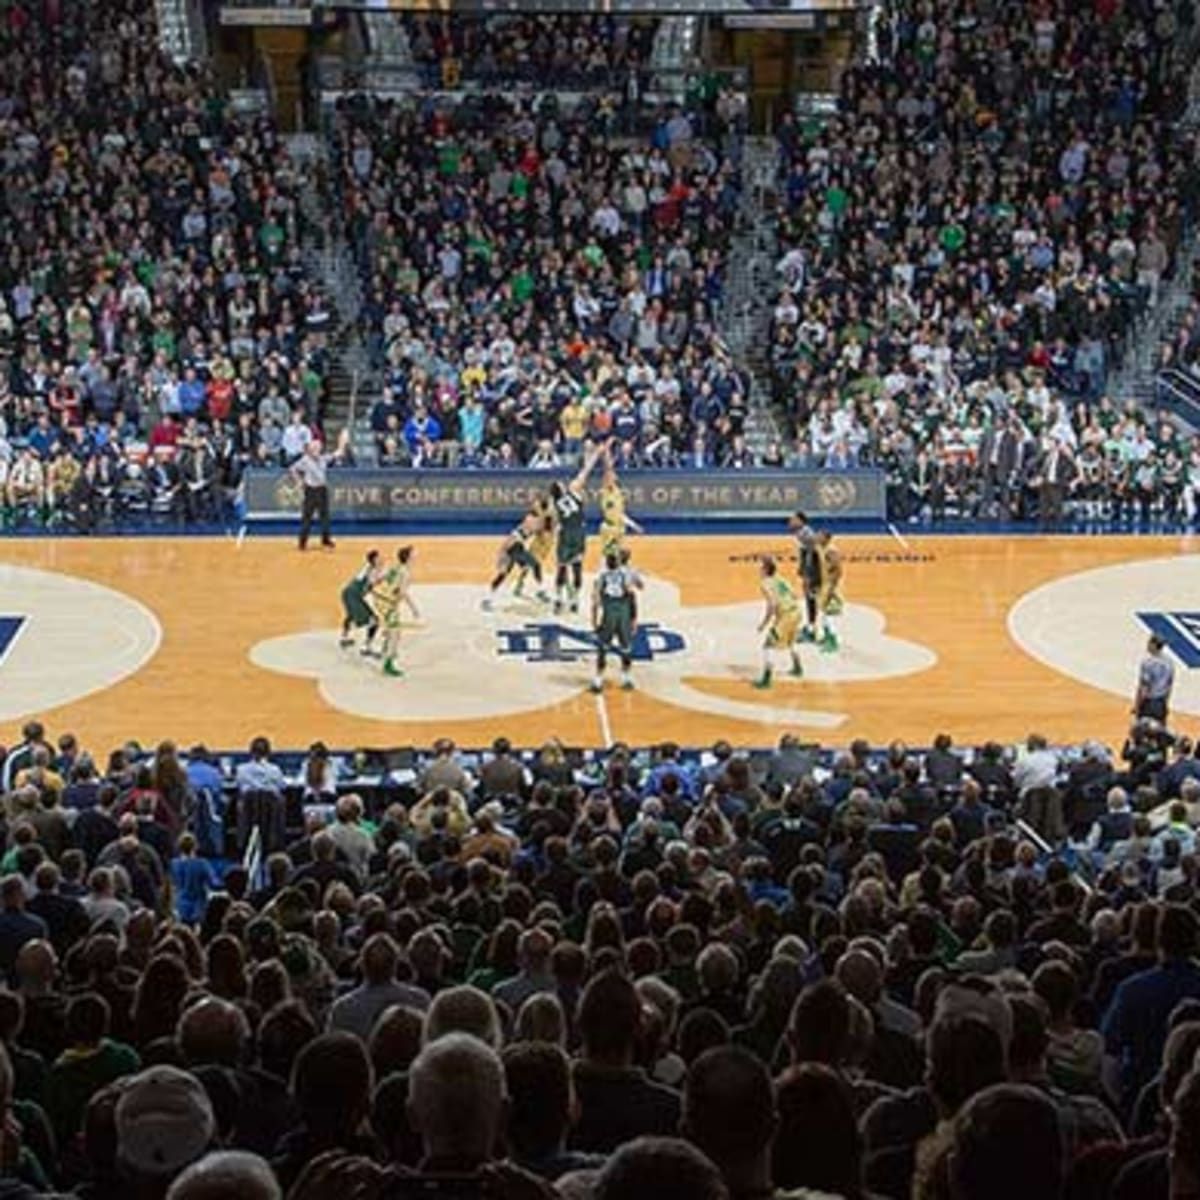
{"points": [[208, 641]]}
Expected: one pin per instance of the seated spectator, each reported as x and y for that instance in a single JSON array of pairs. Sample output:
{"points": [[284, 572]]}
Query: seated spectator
{"points": [[358, 1011], [164, 1122], [91, 1061], [226, 1175], [616, 1099], [542, 1103], [457, 1095], [982, 1163], [817, 1145]]}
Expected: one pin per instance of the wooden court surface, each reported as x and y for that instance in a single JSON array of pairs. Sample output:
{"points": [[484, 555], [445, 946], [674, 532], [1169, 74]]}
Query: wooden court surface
{"points": [[948, 599]]}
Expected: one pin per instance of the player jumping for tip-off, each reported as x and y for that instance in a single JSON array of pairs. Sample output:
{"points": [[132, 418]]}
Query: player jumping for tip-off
{"points": [[614, 520], [781, 622], [568, 500], [808, 566]]}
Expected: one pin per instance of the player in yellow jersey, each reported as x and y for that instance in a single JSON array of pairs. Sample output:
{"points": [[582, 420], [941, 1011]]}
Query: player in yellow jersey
{"points": [[614, 521], [780, 622], [829, 598], [390, 592], [542, 541]]}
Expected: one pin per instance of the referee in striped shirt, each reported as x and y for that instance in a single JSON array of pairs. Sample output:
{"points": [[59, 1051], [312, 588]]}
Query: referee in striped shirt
{"points": [[311, 469], [1156, 678]]}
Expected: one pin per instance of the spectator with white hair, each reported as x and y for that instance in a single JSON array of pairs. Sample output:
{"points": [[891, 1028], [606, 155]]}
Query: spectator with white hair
{"points": [[227, 1175], [463, 1010], [457, 1102]]}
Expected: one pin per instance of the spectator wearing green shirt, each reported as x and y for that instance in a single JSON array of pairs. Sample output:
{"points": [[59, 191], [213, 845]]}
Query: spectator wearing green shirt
{"points": [[91, 1061]]}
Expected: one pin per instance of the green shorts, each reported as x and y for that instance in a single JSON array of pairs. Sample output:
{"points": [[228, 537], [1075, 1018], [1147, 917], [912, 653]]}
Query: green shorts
{"points": [[357, 612], [571, 548], [519, 556], [616, 625]]}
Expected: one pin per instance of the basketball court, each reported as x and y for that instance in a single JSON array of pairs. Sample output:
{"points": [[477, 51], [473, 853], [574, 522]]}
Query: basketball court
{"points": [[219, 640]]}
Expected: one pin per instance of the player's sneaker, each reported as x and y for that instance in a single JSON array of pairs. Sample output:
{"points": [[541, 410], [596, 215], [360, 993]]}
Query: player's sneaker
{"points": [[829, 641], [575, 607], [807, 635], [762, 682], [371, 652], [627, 684], [390, 668], [595, 687], [797, 671], [543, 596], [345, 642], [558, 607], [486, 604]]}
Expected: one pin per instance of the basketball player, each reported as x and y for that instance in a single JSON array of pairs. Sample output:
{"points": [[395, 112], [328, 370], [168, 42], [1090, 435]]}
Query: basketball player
{"points": [[541, 544], [357, 612], [614, 521], [514, 553], [808, 567], [392, 591], [781, 621], [568, 500], [829, 599], [614, 617]]}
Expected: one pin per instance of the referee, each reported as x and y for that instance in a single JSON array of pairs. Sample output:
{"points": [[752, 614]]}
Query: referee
{"points": [[311, 469], [1156, 677]]}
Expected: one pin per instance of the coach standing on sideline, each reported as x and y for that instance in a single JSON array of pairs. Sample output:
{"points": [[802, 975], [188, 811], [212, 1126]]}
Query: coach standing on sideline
{"points": [[312, 469], [1156, 677]]}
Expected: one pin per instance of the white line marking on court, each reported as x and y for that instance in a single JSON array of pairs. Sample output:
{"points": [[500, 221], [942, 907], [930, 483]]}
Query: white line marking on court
{"points": [[897, 535], [241, 537], [605, 727]]}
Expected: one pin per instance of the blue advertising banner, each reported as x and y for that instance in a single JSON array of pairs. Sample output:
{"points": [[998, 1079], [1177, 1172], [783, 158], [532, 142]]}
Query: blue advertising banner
{"points": [[377, 494]]}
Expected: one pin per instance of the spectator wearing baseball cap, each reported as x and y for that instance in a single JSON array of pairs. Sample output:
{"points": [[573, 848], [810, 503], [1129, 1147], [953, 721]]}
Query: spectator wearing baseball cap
{"points": [[164, 1124]]}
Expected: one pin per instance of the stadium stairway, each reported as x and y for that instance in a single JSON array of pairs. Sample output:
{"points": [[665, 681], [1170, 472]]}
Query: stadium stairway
{"points": [[328, 260], [750, 294], [1140, 377]]}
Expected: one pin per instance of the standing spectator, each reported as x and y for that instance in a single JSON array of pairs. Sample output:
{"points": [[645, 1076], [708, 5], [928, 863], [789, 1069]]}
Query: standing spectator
{"points": [[192, 878]]}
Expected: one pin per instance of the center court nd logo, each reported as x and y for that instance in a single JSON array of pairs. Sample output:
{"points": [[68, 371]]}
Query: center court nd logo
{"points": [[460, 665], [1179, 630], [548, 641]]}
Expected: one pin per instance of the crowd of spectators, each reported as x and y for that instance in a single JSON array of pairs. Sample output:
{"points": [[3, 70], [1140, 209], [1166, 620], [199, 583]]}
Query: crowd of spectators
{"points": [[531, 281], [157, 330], [965, 245], [546, 51], [952, 975]]}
